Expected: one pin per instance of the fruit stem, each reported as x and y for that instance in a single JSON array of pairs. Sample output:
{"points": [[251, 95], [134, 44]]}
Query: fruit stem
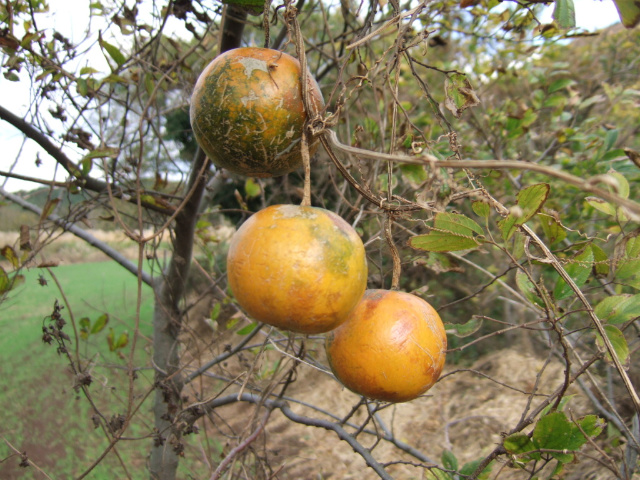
{"points": [[397, 265], [306, 197]]}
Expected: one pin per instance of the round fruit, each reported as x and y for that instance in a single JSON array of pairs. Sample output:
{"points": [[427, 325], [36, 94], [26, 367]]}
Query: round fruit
{"points": [[390, 348], [247, 112], [297, 268]]}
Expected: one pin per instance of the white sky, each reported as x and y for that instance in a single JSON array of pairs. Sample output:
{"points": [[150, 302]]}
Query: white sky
{"points": [[70, 18]]}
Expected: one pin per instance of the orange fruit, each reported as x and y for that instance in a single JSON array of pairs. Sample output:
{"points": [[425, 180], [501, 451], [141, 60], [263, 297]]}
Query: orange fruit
{"points": [[390, 348], [247, 112], [297, 268]]}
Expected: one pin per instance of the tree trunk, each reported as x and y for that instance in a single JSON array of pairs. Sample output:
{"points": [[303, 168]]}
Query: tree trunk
{"points": [[167, 322], [167, 317]]}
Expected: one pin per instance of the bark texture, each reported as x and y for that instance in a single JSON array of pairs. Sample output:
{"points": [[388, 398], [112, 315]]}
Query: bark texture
{"points": [[169, 292]]}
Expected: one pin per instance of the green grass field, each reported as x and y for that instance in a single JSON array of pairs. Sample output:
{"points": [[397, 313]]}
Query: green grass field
{"points": [[42, 413]]}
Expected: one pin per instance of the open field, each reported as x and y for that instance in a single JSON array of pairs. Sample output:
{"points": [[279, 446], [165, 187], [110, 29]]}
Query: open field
{"points": [[42, 414]]}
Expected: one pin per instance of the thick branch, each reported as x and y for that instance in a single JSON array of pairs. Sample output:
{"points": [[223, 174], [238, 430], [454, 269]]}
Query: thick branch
{"points": [[83, 234], [59, 156]]}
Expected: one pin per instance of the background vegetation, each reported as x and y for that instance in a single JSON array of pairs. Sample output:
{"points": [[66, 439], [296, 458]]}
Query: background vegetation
{"points": [[489, 162]]}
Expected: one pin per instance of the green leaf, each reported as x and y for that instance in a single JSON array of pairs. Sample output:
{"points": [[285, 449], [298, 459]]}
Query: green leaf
{"points": [[610, 138], [232, 322], [564, 14], [615, 153], [88, 71], [563, 403], [449, 460], [558, 469], [253, 7], [16, 281], [100, 323], [451, 232], [632, 247], [251, 188], [619, 343], [618, 308], [11, 76], [84, 323], [629, 12], [435, 474], [622, 184], [518, 444], [560, 84], [459, 94], [4, 281], [107, 152], [527, 287], [82, 87], [416, 174], [555, 432], [628, 272], [113, 78], [599, 204], [442, 242], [148, 199], [113, 51], [462, 330], [149, 83], [592, 425], [470, 467], [248, 329], [529, 202], [86, 165], [10, 255], [518, 249], [457, 223], [480, 208], [111, 339], [600, 261], [122, 341], [215, 311], [579, 270], [553, 101], [552, 228]]}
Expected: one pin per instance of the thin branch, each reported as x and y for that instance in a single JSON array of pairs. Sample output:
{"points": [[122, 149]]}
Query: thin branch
{"points": [[222, 357], [594, 318], [301, 419], [69, 226]]}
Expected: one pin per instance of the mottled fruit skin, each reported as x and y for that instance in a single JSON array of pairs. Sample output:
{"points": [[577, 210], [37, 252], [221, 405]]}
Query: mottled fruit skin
{"points": [[247, 112], [298, 268], [390, 348]]}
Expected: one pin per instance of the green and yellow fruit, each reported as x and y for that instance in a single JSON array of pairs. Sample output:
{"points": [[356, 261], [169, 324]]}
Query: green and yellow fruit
{"points": [[247, 112]]}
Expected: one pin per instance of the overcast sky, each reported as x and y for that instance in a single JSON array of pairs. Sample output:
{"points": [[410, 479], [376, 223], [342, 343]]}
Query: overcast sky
{"points": [[72, 16]]}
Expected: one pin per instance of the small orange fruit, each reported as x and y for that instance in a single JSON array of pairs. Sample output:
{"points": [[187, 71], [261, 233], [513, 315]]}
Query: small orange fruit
{"points": [[390, 348], [247, 112], [297, 268]]}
